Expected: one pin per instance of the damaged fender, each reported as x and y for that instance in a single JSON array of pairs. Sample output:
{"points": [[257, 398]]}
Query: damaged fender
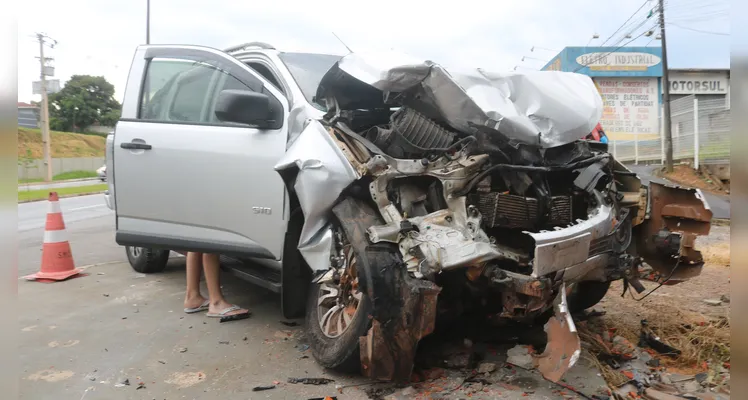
{"points": [[315, 169]]}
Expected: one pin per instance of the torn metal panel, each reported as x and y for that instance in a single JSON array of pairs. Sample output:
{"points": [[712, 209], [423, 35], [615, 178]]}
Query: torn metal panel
{"points": [[564, 248], [317, 250], [564, 347], [666, 240], [544, 108], [322, 173]]}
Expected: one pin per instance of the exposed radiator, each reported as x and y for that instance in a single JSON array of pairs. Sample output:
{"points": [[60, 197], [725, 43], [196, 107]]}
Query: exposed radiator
{"points": [[512, 211]]}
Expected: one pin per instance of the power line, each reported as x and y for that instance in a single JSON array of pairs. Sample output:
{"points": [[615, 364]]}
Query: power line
{"points": [[699, 30], [613, 51], [625, 22], [629, 33]]}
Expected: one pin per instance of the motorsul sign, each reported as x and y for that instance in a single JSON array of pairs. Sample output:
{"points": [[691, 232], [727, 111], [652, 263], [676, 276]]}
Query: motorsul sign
{"points": [[618, 61], [698, 83]]}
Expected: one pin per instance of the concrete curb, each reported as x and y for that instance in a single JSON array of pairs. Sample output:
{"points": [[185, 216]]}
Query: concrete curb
{"points": [[63, 196], [31, 184]]}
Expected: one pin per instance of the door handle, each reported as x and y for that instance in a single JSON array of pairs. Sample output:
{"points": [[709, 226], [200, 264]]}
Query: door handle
{"points": [[136, 146]]}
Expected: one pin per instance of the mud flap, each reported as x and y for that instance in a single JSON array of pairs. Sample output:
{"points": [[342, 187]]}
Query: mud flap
{"points": [[666, 239], [389, 348], [563, 348]]}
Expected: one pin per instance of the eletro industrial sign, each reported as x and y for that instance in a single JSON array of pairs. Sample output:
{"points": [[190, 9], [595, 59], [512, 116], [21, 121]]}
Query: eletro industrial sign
{"points": [[615, 61]]}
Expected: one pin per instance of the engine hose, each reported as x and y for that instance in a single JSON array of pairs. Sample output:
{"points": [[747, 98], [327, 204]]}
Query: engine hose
{"points": [[528, 168]]}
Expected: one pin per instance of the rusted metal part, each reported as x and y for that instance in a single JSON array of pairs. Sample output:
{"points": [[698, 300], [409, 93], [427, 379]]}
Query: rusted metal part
{"points": [[516, 307], [521, 295], [389, 348], [473, 273], [352, 150], [563, 348], [683, 212], [524, 284], [634, 193], [404, 309]]}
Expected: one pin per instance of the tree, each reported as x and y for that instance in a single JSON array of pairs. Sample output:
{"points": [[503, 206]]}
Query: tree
{"points": [[84, 101]]}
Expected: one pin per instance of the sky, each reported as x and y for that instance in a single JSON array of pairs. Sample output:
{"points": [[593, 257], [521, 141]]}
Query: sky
{"points": [[98, 37]]}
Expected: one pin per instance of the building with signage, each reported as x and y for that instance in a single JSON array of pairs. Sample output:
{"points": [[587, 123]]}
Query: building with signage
{"points": [[703, 83], [629, 80]]}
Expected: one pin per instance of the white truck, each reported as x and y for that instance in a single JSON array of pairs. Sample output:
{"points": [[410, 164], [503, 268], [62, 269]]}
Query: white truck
{"points": [[379, 196]]}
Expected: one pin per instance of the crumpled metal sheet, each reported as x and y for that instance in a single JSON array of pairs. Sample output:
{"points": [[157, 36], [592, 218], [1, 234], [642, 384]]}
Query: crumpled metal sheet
{"points": [[323, 173], [564, 347], [543, 108]]}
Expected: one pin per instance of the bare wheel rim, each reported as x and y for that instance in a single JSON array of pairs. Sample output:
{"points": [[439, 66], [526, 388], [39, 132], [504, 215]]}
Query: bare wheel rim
{"points": [[135, 251], [338, 302]]}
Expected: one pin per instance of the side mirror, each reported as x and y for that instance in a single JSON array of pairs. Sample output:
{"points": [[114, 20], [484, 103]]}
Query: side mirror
{"points": [[244, 107]]}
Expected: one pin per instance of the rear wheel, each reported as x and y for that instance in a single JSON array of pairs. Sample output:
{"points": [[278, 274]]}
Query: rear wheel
{"points": [[146, 260], [337, 312]]}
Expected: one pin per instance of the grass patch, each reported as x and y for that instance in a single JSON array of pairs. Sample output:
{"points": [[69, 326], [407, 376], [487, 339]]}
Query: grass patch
{"points": [[63, 144], [704, 341], [64, 176], [28, 195]]}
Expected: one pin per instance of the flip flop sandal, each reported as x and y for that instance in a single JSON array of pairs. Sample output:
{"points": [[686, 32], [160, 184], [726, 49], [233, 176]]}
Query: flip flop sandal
{"points": [[202, 307], [225, 318]]}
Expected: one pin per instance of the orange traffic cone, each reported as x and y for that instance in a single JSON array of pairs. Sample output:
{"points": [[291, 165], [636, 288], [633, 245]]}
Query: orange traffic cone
{"points": [[57, 260]]}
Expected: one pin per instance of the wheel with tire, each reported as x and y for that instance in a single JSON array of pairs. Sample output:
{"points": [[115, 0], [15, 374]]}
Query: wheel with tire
{"points": [[337, 313], [586, 294], [146, 260]]}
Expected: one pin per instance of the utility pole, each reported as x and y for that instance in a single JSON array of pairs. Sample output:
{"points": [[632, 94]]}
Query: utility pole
{"points": [[44, 113], [666, 95], [148, 22]]}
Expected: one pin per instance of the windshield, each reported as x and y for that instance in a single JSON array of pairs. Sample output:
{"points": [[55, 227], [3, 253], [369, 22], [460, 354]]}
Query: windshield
{"points": [[307, 70]]}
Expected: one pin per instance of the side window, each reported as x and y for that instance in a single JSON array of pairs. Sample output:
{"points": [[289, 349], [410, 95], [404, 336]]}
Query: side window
{"points": [[267, 74], [177, 90], [225, 82]]}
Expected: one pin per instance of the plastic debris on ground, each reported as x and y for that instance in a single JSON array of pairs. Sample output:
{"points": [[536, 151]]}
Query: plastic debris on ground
{"points": [[640, 372], [311, 381], [263, 388]]}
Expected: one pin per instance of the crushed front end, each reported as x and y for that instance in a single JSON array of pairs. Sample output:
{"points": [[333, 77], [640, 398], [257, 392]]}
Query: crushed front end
{"points": [[493, 204]]}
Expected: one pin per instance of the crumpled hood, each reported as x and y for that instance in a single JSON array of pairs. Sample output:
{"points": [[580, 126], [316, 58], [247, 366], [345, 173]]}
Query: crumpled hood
{"points": [[542, 108]]}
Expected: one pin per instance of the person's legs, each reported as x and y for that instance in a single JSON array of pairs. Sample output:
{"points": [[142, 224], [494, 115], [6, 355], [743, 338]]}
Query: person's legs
{"points": [[211, 266], [192, 298]]}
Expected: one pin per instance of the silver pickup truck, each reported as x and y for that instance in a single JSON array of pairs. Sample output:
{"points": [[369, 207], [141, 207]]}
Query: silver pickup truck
{"points": [[381, 196]]}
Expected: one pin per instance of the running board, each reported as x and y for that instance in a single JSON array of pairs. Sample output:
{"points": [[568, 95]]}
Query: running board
{"points": [[255, 274]]}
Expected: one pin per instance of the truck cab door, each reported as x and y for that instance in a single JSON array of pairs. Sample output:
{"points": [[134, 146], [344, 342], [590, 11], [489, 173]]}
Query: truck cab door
{"points": [[184, 179]]}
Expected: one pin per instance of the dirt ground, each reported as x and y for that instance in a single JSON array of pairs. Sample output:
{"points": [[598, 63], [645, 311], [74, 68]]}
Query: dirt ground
{"points": [[687, 176], [87, 337], [81, 339], [692, 316]]}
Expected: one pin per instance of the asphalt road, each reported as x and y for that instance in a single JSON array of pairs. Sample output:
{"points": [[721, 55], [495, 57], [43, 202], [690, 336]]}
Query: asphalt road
{"points": [[720, 205], [58, 185], [90, 226]]}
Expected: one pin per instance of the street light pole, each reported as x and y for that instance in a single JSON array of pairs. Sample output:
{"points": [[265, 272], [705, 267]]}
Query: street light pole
{"points": [[666, 95], [148, 22], [44, 114]]}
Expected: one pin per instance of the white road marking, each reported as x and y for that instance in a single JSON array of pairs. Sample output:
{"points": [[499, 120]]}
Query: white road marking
{"points": [[85, 207]]}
